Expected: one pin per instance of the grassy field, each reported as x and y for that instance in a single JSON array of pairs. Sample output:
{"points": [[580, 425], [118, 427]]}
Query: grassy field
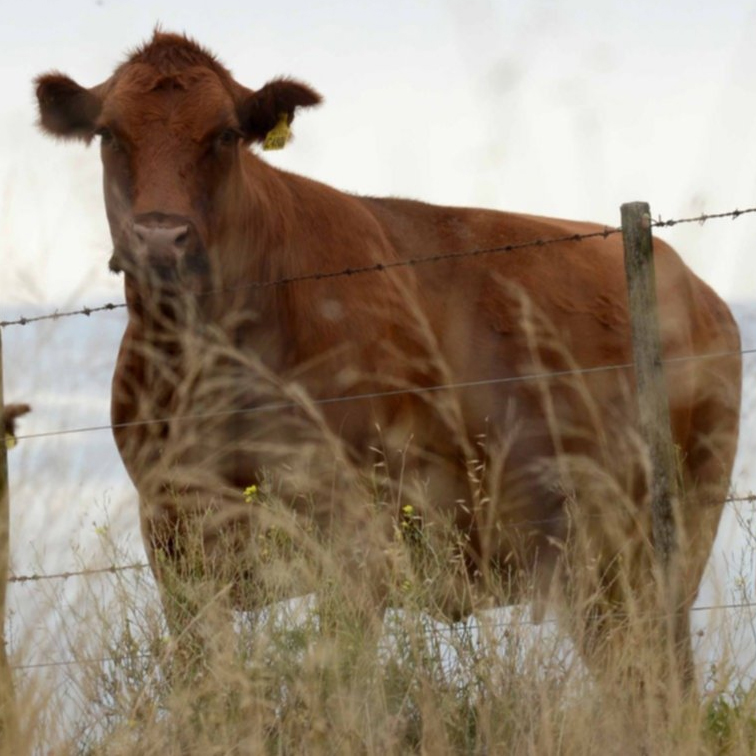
{"points": [[318, 675]]}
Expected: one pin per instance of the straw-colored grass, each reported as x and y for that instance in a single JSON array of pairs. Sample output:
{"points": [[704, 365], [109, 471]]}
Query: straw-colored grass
{"points": [[315, 676]]}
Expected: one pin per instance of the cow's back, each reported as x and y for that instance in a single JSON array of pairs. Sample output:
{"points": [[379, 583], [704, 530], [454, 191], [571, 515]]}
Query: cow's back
{"points": [[557, 307]]}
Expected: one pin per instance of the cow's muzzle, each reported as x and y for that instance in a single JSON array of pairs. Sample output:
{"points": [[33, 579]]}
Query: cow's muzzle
{"points": [[162, 246]]}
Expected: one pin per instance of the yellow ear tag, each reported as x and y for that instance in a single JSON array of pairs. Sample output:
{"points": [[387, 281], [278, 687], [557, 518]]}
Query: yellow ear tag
{"points": [[10, 441], [277, 137]]}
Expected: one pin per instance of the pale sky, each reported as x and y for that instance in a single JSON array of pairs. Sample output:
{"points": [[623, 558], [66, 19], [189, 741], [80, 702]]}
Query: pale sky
{"points": [[565, 109]]}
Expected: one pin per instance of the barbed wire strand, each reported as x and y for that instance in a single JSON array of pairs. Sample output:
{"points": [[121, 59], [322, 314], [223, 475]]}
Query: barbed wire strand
{"points": [[114, 569], [78, 662], [380, 267], [488, 625], [24, 320], [287, 405], [351, 271], [701, 219]]}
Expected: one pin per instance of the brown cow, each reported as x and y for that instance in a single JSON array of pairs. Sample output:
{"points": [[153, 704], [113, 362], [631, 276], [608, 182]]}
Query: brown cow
{"points": [[229, 315]]}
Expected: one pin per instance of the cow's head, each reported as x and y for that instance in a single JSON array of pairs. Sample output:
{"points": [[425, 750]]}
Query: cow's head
{"points": [[173, 127]]}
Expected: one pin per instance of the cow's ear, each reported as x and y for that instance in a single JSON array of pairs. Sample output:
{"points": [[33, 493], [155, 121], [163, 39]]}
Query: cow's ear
{"points": [[260, 112], [66, 109]]}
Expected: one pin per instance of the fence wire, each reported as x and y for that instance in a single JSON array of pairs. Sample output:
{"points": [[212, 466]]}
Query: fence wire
{"points": [[114, 569], [380, 267], [351, 271], [506, 625], [416, 390], [110, 569], [701, 219]]}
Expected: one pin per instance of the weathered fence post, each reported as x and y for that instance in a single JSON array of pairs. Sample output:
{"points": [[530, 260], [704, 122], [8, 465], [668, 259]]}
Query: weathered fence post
{"points": [[7, 698], [653, 401], [656, 428]]}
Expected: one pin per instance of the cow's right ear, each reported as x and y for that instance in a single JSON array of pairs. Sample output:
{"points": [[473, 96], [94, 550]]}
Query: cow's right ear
{"points": [[66, 109]]}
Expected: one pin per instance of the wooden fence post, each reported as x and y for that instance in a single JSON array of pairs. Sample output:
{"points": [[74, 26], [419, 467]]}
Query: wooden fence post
{"points": [[8, 727], [649, 373], [656, 427]]}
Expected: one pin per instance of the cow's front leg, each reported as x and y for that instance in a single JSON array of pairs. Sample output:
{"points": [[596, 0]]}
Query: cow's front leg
{"points": [[194, 588]]}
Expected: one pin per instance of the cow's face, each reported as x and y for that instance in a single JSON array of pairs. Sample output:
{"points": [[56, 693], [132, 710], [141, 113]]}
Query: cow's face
{"points": [[172, 125]]}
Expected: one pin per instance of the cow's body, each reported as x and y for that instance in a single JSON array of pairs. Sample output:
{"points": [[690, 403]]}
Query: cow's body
{"points": [[501, 459]]}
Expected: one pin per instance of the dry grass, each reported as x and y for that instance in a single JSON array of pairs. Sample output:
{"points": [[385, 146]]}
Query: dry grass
{"points": [[312, 676]]}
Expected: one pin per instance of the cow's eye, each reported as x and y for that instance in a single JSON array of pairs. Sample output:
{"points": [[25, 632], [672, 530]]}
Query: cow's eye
{"points": [[107, 139], [227, 138]]}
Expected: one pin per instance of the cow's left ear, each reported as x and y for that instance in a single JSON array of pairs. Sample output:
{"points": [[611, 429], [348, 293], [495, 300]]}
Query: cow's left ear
{"points": [[260, 111]]}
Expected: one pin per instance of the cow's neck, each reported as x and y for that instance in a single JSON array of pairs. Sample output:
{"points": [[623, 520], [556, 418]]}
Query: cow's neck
{"points": [[254, 251], [258, 222]]}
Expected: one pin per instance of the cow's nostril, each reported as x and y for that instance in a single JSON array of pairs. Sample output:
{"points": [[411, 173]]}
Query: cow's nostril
{"points": [[182, 238]]}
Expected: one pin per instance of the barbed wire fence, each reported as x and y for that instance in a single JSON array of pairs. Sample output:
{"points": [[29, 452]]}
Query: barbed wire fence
{"points": [[112, 569], [604, 233]]}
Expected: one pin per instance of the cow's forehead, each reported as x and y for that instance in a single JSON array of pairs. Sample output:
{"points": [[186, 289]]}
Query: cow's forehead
{"points": [[195, 96]]}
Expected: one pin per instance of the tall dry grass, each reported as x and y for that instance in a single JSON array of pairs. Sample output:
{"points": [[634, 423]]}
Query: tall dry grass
{"points": [[310, 676]]}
